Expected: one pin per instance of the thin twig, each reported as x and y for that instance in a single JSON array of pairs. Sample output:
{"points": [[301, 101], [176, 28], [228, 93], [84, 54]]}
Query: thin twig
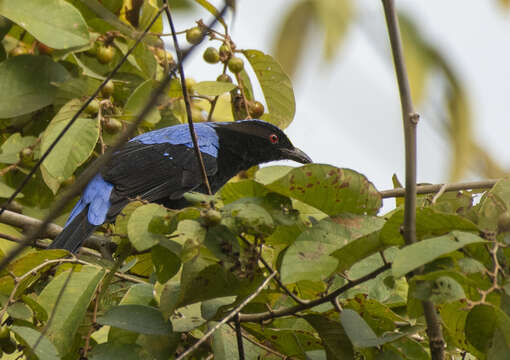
{"points": [[410, 120], [439, 193], [256, 343], [97, 165], [75, 116], [28, 224], [185, 93], [226, 319], [430, 189], [239, 337], [292, 310]]}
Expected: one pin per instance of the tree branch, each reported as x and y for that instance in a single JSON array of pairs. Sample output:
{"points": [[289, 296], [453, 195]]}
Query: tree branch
{"points": [[410, 120], [430, 189], [227, 318], [300, 307], [52, 230]]}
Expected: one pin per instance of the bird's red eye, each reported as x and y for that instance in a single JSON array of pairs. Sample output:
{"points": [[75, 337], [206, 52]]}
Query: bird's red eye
{"points": [[273, 138]]}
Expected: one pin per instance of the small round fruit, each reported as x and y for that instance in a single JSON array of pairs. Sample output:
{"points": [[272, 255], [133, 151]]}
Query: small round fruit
{"points": [[108, 89], [256, 109], [211, 217], [93, 107], [161, 54], [26, 155], [105, 54], [224, 78], [211, 55], [7, 345], [194, 35], [113, 126], [18, 50], [44, 49], [190, 84], [235, 64], [4, 332], [225, 51]]}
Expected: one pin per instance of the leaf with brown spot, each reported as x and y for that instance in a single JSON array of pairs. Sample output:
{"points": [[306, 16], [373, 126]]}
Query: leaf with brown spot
{"points": [[329, 189]]}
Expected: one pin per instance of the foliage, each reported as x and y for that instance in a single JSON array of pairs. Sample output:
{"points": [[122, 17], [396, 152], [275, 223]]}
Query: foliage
{"points": [[180, 272]]}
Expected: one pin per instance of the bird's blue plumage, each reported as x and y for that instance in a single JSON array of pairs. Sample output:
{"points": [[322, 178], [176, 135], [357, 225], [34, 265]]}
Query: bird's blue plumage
{"points": [[179, 135], [97, 197]]}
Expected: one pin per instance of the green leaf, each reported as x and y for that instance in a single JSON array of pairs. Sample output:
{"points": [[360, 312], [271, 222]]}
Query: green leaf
{"points": [[276, 86], [269, 174], [187, 318], [138, 226], [358, 331], [138, 318], [289, 43], [429, 222], [75, 147], [213, 88], [336, 342], [482, 324], [233, 191], [224, 345], [494, 203], [166, 263], [71, 309], [308, 258], [329, 189], [26, 84], [66, 29], [335, 16], [109, 351], [19, 310], [45, 350], [12, 146], [441, 290], [415, 255], [248, 217], [364, 239], [138, 294], [137, 101]]}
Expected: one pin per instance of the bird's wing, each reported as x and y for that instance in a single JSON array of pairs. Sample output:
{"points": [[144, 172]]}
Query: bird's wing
{"points": [[156, 171]]}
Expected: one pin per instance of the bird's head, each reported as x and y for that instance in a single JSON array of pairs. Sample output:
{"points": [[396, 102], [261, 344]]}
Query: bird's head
{"points": [[259, 141]]}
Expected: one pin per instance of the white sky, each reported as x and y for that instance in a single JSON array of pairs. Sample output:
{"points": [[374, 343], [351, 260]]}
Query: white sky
{"points": [[348, 112]]}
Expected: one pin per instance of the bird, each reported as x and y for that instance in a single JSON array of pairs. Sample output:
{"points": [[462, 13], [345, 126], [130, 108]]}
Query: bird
{"points": [[160, 166]]}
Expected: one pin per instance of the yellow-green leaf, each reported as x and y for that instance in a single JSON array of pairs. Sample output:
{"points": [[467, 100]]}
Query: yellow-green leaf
{"points": [[276, 86]]}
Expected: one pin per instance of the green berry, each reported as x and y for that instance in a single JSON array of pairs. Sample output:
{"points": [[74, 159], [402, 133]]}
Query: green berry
{"points": [[211, 55], [26, 155], [113, 126], [256, 109], [108, 89], [235, 64], [19, 50], [224, 78], [194, 35], [93, 107], [93, 49], [105, 54], [190, 84]]}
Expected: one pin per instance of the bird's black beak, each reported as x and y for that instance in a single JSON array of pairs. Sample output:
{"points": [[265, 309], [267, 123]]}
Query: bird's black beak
{"points": [[296, 155]]}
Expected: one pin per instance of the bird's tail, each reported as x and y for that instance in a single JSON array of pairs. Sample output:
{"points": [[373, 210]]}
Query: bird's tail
{"points": [[74, 233]]}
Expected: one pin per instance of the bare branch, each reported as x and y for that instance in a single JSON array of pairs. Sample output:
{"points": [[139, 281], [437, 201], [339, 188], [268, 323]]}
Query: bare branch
{"points": [[29, 224], [227, 318], [292, 310], [430, 189], [410, 120], [239, 337]]}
